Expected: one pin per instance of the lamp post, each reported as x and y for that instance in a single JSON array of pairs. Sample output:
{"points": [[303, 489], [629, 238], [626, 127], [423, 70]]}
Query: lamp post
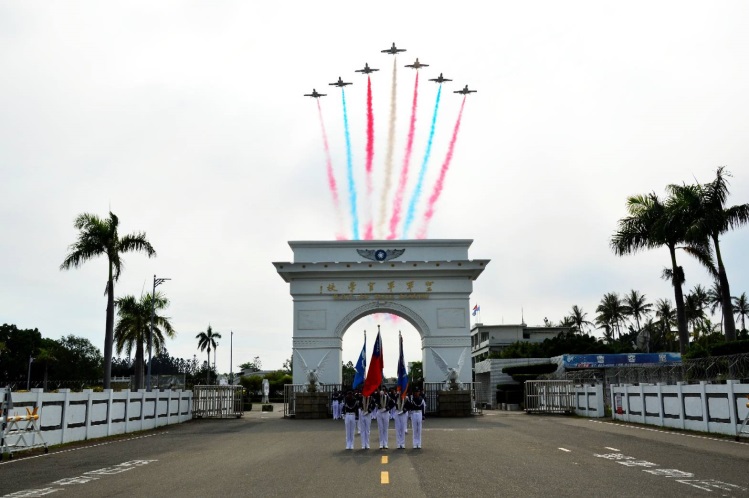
{"points": [[156, 282], [28, 377], [231, 351]]}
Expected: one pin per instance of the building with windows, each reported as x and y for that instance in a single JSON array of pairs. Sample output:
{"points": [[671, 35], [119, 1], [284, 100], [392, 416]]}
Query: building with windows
{"points": [[488, 339]]}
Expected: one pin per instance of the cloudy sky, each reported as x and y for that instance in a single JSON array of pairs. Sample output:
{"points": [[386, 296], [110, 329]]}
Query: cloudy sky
{"points": [[188, 121]]}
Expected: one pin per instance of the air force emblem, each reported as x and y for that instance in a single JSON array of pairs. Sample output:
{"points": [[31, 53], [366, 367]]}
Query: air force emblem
{"points": [[380, 254]]}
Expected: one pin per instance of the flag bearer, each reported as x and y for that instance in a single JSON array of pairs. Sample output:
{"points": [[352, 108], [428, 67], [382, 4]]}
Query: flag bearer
{"points": [[384, 404], [401, 420], [350, 407], [365, 422], [416, 408]]}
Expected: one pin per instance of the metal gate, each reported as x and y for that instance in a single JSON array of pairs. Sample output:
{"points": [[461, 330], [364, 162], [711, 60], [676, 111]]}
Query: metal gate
{"points": [[549, 396], [217, 402]]}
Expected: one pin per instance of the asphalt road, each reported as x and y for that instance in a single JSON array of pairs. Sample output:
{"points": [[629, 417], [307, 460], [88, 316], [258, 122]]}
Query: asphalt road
{"points": [[497, 454]]}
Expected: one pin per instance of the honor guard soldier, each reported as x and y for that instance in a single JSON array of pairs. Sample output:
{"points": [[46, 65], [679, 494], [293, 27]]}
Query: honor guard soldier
{"points": [[401, 421], [416, 408], [384, 404], [365, 421], [335, 404], [350, 408]]}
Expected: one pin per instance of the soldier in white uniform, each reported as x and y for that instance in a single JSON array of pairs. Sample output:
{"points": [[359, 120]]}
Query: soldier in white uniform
{"points": [[416, 408], [365, 423], [350, 408], [384, 404]]}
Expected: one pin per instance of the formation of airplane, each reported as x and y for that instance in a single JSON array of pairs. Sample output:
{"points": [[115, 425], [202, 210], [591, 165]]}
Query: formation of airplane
{"points": [[340, 83], [393, 50], [314, 94], [465, 91], [366, 69], [440, 79], [417, 64]]}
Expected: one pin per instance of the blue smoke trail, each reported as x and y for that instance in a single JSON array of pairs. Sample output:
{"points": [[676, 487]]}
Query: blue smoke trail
{"points": [[422, 171], [350, 171]]}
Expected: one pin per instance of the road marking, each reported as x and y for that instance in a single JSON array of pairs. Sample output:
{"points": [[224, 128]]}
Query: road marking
{"points": [[565, 450], [384, 460], [610, 448], [384, 477], [668, 432]]}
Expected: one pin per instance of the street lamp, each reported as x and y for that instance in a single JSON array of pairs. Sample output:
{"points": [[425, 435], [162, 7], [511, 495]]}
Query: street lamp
{"points": [[231, 351], [156, 282], [28, 377]]}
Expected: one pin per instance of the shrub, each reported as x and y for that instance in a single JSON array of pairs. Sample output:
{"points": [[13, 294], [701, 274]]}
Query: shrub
{"points": [[267, 408]]}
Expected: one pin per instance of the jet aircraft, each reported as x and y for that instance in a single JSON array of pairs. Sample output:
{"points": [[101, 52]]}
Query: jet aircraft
{"points": [[339, 83], [314, 94], [366, 69], [392, 50], [440, 79], [417, 64], [465, 91]]}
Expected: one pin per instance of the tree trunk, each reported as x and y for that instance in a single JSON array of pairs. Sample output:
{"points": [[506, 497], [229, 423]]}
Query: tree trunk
{"points": [[681, 315], [208, 371], [109, 332], [725, 295], [138, 365]]}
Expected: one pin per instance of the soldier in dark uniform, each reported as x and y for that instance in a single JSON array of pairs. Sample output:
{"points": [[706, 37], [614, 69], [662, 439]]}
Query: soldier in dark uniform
{"points": [[350, 409]]}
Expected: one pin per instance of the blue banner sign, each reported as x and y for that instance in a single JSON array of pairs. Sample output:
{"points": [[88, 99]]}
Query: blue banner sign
{"points": [[618, 360]]}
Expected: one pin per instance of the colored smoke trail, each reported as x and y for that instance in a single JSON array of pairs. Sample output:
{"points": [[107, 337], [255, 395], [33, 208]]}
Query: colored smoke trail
{"points": [[395, 218], [331, 177], [420, 182], [441, 180], [368, 232], [350, 172], [389, 153]]}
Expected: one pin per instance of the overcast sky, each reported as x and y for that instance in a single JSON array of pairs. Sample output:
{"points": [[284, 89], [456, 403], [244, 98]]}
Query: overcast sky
{"points": [[188, 121]]}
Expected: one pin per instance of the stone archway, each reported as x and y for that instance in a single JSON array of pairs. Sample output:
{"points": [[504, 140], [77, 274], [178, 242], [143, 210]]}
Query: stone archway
{"points": [[426, 282]]}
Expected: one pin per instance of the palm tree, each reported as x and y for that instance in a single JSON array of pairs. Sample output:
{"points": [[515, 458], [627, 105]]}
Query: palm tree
{"points": [[207, 340], [133, 329], [715, 301], [711, 220], [653, 224], [695, 313], [637, 306], [98, 237], [741, 309], [611, 314], [666, 315], [578, 318], [46, 356]]}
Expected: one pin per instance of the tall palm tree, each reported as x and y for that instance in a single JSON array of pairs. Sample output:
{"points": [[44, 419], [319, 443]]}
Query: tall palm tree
{"points": [[133, 329], [578, 317], [741, 309], [715, 301], [652, 224], [46, 356], [99, 237], [695, 313], [666, 315], [713, 219], [207, 340], [611, 314], [637, 306]]}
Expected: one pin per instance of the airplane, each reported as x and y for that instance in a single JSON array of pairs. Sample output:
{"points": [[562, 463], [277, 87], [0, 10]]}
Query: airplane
{"points": [[417, 64], [392, 50], [339, 83], [366, 69], [465, 91], [314, 94], [440, 79]]}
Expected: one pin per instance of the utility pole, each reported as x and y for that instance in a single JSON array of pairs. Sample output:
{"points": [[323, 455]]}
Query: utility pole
{"points": [[231, 360], [156, 282]]}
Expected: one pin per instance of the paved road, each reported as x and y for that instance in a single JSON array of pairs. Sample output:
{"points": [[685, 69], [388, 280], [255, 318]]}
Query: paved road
{"points": [[498, 454]]}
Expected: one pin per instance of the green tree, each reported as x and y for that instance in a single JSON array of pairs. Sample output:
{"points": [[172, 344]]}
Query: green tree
{"points": [[347, 373], [47, 356], [711, 219], [666, 322], [19, 345], [207, 340], [611, 312], [133, 329], [651, 224], [741, 309], [100, 237], [253, 366], [715, 301], [579, 318], [637, 307], [78, 359]]}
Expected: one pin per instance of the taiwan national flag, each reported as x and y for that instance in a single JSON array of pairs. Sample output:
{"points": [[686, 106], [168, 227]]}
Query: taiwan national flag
{"points": [[361, 365], [402, 374], [376, 365], [476, 309]]}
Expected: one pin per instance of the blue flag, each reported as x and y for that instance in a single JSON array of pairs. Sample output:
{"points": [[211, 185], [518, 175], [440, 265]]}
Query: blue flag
{"points": [[402, 374], [361, 365]]}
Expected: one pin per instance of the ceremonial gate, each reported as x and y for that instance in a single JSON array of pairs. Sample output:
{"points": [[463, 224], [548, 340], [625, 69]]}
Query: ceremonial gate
{"points": [[426, 282]]}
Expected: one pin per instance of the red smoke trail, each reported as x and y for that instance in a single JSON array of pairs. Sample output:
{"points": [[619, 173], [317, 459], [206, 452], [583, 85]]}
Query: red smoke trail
{"points": [[389, 152], [331, 178], [441, 180], [369, 230], [395, 219]]}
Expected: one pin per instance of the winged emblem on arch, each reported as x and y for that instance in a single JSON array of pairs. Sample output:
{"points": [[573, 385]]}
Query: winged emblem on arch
{"points": [[380, 254]]}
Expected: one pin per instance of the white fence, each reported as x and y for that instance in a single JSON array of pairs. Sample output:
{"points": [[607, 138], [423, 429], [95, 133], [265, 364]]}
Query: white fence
{"points": [[66, 416], [562, 396], [217, 402], [716, 408]]}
